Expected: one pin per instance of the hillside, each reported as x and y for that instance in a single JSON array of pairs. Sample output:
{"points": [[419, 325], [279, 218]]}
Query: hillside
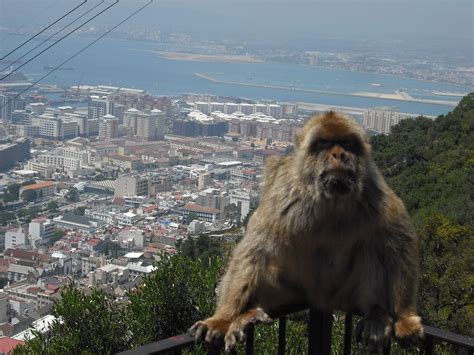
{"points": [[430, 163]]}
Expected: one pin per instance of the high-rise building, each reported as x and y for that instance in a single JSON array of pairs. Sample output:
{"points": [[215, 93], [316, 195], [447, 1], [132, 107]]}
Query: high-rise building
{"points": [[6, 106], [150, 126], [132, 186], [41, 228], [204, 180], [99, 106], [230, 107], [246, 109], [130, 119], [108, 127], [382, 121], [20, 117]]}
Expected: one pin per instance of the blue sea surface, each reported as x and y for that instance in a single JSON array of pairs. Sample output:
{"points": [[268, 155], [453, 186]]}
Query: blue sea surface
{"points": [[131, 64]]}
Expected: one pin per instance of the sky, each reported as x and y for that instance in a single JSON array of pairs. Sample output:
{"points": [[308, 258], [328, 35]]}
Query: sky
{"points": [[290, 22]]}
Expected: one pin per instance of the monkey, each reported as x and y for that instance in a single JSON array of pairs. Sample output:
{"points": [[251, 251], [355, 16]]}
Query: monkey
{"points": [[328, 232]]}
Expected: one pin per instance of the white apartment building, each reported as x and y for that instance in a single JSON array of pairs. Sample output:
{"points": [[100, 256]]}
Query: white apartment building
{"points": [[244, 200], [14, 237], [41, 228], [382, 121], [130, 119], [99, 106], [108, 127], [230, 107]]}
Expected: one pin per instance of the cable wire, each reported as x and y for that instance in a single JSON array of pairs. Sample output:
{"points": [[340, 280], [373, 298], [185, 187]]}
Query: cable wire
{"points": [[54, 34], [44, 29], [59, 40], [79, 52]]}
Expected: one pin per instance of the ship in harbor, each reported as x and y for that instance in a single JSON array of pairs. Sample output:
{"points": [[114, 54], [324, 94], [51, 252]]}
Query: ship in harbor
{"points": [[49, 67]]}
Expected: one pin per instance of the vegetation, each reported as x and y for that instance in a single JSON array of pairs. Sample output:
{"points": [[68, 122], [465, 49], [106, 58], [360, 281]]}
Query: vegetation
{"points": [[72, 195], [430, 165], [81, 210], [52, 206], [29, 195], [11, 193]]}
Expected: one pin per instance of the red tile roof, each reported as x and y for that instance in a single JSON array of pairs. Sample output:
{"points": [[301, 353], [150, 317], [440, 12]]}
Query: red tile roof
{"points": [[8, 344], [40, 185], [199, 208]]}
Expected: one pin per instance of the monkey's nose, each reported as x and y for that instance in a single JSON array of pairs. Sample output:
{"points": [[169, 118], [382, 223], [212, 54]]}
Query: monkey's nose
{"points": [[338, 153]]}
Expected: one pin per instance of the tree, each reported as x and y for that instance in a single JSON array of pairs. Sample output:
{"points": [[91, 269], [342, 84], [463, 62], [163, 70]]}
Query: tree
{"points": [[72, 195], [12, 193], [80, 210], [52, 206], [57, 235], [191, 217], [6, 217], [85, 324], [202, 247], [232, 212], [180, 292], [446, 296], [29, 195]]}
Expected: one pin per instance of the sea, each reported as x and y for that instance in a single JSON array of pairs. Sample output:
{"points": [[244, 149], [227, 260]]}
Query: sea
{"points": [[126, 63]]}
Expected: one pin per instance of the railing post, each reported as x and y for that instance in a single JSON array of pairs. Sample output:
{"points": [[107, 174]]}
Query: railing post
{"points": [[249, 344], [282, 336], [320, 332], [428, 348], [348, 334]]}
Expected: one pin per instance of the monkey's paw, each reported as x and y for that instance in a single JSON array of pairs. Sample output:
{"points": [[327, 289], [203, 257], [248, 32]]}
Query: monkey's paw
{"points": [[211, 330], [375, 332], [408, 330], [238, 327]]}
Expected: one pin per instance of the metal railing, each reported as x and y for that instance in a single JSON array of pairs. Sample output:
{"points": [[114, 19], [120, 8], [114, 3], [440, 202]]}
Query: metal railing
{"points": [[319, 337]]}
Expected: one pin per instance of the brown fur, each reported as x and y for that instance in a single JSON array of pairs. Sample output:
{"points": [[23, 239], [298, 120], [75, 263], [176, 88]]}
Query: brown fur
{"points": [[328, 232]]}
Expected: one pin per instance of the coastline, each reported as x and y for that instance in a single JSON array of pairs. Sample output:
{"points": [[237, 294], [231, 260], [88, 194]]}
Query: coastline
{"points": [[192, 57], [396, 97]]}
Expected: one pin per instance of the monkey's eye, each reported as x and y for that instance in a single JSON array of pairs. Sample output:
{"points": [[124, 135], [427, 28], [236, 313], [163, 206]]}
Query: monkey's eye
{"points": [[321, 144], [351, 145]]}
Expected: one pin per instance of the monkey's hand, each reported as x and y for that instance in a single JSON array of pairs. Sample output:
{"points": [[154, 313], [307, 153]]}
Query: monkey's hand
{"points": [[408, 329], [238, 327], [375, 331], [211, 330]]}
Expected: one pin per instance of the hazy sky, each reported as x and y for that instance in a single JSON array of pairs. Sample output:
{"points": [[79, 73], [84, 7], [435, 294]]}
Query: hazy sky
{"points": [[279, 21]]}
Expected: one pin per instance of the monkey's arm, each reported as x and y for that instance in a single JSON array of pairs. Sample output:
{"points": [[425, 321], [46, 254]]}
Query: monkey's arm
{"points": [[402, 266], [237, 304]]}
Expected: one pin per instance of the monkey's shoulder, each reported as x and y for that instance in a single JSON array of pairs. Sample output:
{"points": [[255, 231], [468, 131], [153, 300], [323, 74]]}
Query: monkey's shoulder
{"points": [[276, 168]]}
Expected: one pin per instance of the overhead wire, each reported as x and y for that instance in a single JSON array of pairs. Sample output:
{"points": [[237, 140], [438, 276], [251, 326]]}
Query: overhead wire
{"points": [[44, 29], [59, 40], [79, 52], [54, 34]]}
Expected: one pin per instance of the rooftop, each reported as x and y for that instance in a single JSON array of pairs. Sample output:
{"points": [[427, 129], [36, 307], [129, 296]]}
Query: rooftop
{"points": [[40, 185]]}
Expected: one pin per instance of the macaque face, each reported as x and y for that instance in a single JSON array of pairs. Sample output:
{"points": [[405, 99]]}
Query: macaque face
{"points": [[338, 164], [334, 155]]}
